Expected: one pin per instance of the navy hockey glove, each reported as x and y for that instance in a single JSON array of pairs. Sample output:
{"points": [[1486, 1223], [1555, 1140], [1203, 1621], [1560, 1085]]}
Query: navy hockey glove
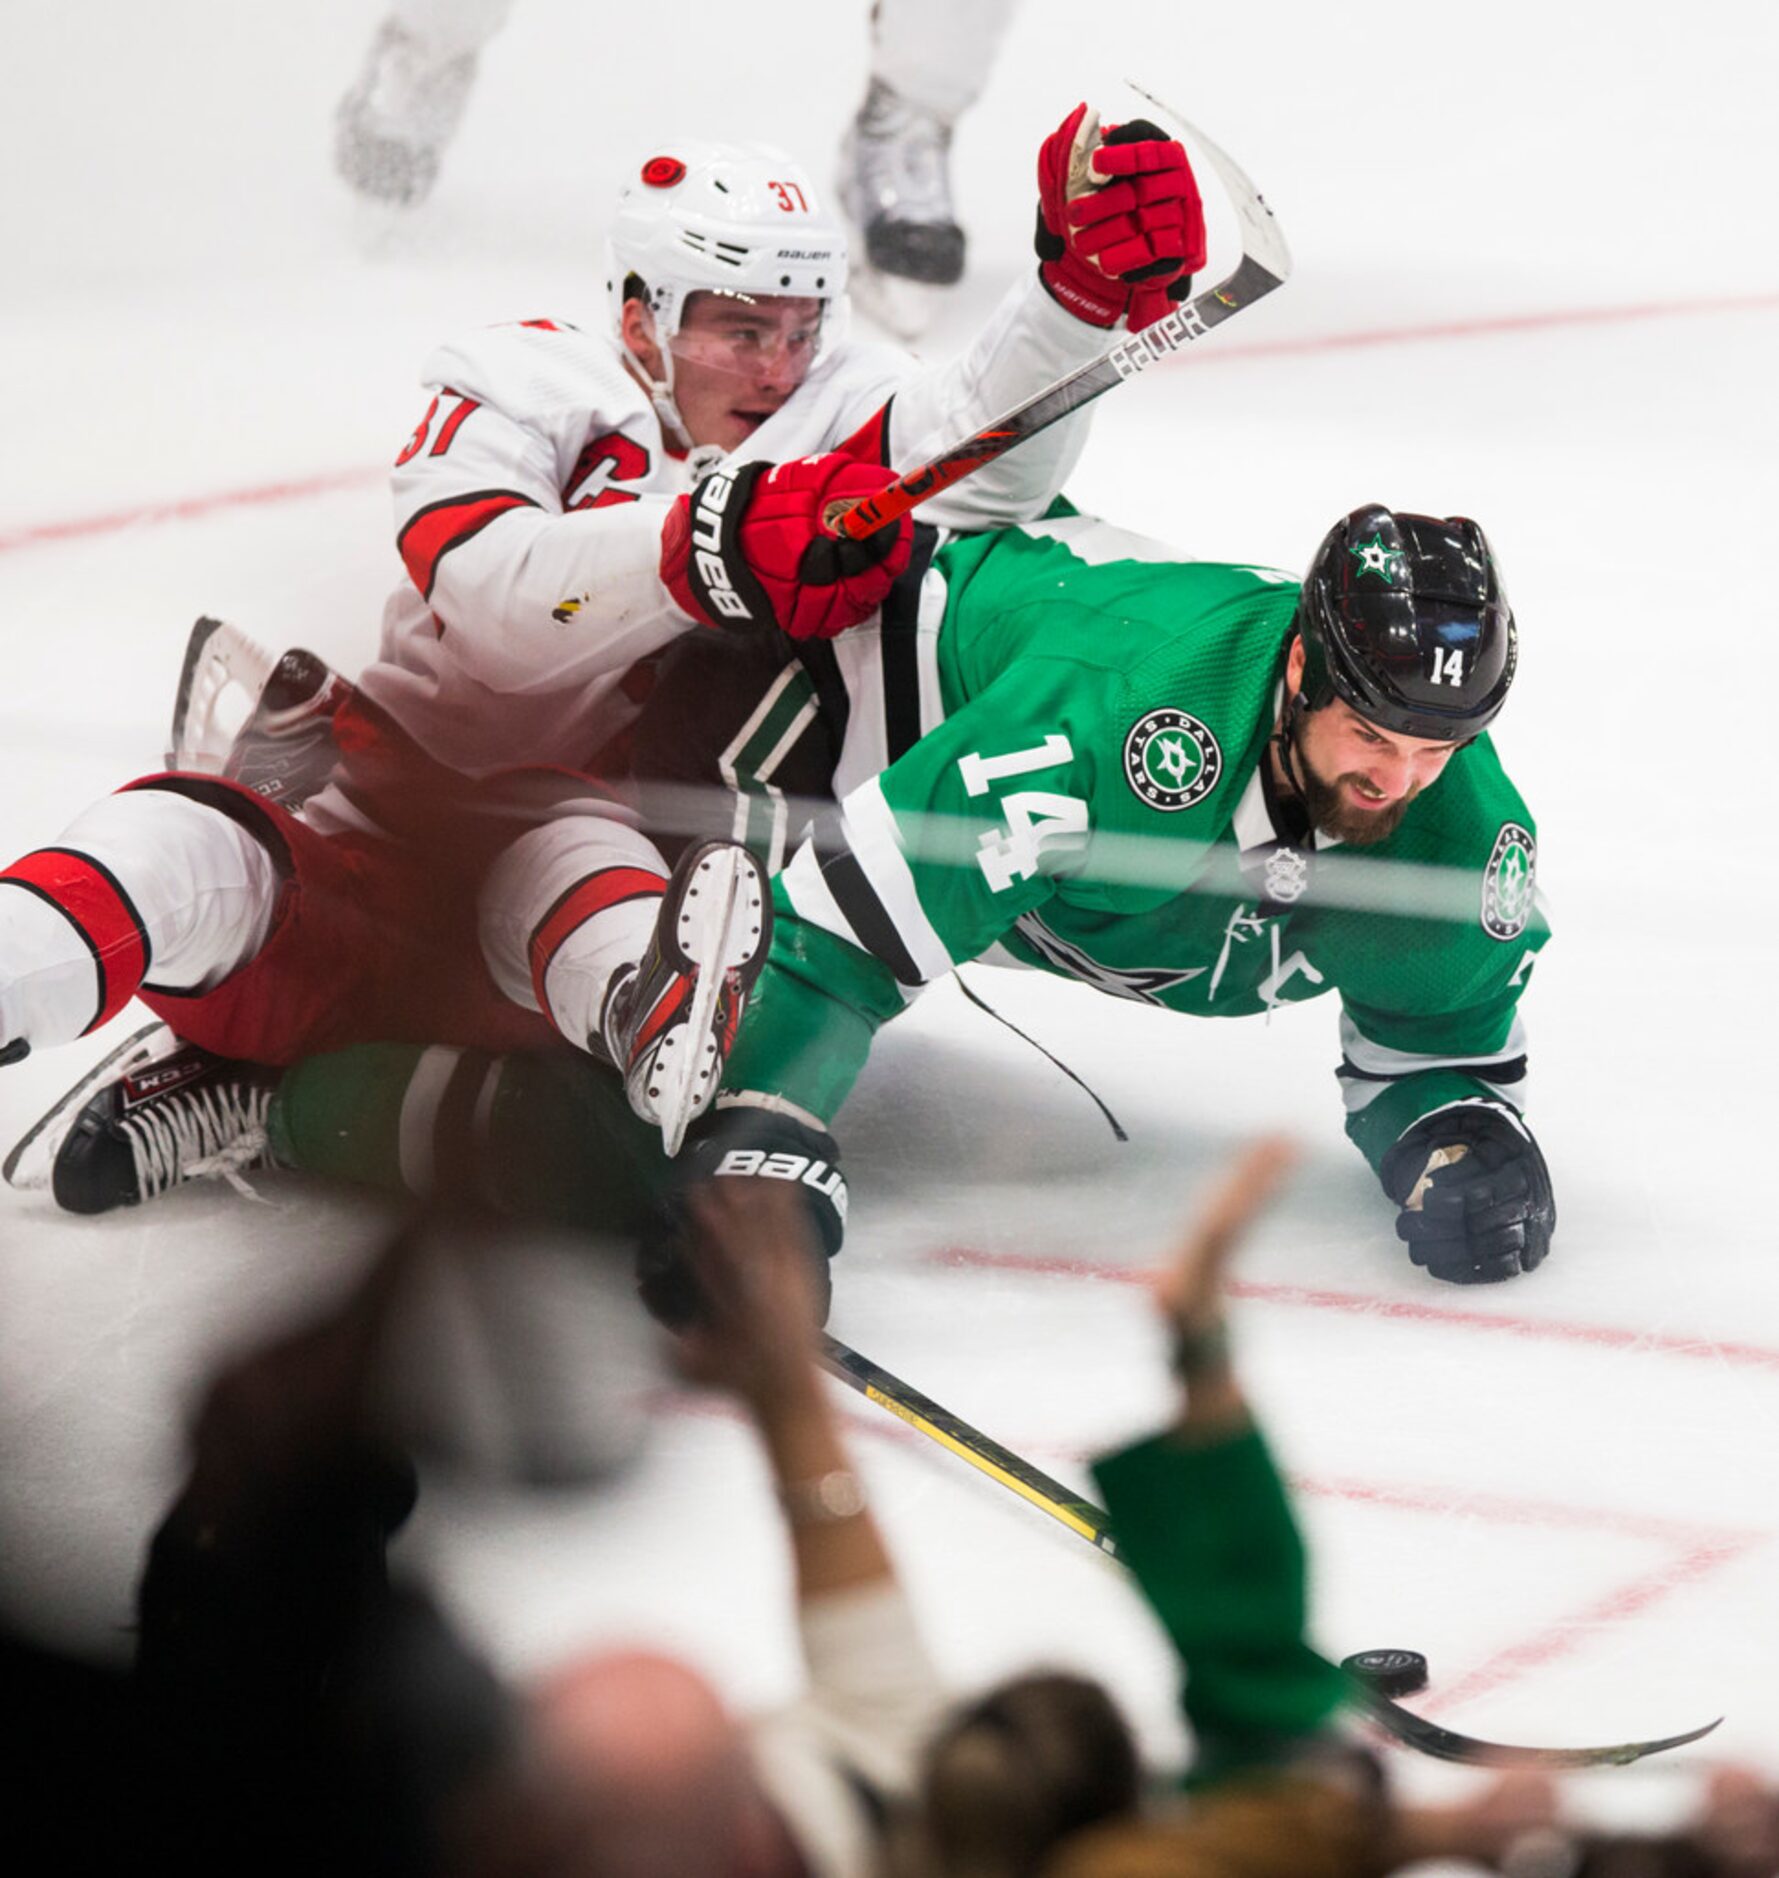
{"points": [[1486, 1212], [749, 547], [738, 1144]]}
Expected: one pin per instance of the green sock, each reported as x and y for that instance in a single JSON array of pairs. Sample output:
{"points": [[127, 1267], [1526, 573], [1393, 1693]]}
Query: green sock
{"points": [[539, 1137]]}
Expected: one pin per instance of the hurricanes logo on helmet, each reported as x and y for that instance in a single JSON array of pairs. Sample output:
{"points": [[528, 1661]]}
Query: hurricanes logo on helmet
{"points": [[1374, 558]]}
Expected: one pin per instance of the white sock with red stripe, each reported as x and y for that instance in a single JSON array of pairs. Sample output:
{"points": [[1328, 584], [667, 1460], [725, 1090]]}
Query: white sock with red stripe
{"points": [[565, 909], [144, 886]]}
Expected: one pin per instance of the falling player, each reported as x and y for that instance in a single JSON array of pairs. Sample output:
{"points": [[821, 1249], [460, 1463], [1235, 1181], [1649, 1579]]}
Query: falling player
{"points": [[552, 548], [1198, 786]]}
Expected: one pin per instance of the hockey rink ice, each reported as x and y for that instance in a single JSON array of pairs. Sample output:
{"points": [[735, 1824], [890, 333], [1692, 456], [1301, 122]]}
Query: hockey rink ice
{"points": [[1535, 283]]}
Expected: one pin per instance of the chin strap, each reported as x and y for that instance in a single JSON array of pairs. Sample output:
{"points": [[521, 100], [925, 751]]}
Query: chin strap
{"points": [[659, 390], [1284, 740]]}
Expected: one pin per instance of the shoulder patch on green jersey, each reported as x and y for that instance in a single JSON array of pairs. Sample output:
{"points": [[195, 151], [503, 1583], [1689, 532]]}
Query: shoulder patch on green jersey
{"points": [[1507, 882], [1171, 760]]}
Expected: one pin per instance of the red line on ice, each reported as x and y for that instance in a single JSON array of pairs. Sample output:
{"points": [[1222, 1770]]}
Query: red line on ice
{"points": [[1568, 1634], [1695, 1552], [1548, 1330], [1702, 1550], [195, 508], [186, 509], [1518, 1510], [1495, 324]]}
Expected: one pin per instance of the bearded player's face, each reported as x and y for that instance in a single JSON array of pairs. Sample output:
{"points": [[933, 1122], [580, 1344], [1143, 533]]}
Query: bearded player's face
{"points": [[1358, 779]]}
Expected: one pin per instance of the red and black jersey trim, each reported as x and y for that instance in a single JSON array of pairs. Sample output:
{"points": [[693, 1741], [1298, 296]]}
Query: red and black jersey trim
{"points": [[90, 898], [611, 886], [870, 443], [432, 532]]}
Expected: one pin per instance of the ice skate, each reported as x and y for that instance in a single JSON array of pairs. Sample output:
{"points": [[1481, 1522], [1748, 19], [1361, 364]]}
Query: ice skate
{"points": [[150, 1116], [391, 128], [670, 1024], [264, 722], [895, 187]]}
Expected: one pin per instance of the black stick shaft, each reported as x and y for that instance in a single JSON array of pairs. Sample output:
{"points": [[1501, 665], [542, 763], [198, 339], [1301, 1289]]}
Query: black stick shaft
{"points": [[938, 1424]]}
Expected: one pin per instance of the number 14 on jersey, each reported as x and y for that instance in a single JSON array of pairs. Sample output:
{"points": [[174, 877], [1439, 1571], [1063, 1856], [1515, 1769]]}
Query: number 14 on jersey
{"points": [[1036, 819]]}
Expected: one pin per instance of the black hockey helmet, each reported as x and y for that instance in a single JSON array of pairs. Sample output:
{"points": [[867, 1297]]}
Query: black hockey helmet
{"points": [[1404, 617]]}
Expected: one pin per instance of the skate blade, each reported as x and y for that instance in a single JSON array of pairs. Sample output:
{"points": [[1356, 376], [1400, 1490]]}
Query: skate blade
{"points": [[722, 927], [29, 1166]]}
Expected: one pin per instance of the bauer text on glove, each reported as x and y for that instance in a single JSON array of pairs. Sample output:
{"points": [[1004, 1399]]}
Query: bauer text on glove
{"points": [[748, 548]]}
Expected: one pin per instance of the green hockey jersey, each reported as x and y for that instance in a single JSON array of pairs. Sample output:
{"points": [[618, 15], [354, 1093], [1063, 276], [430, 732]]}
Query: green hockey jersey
{"points": [[1087, 795]]}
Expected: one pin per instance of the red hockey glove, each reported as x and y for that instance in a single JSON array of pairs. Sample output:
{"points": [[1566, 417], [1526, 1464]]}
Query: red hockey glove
{"points": [[747, 548], [1121, 229]]}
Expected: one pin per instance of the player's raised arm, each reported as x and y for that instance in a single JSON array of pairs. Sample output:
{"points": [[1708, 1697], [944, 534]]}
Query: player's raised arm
{"points": [[1120, 233]]}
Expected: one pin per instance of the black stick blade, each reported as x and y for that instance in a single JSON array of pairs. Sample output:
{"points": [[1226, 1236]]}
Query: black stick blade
{"points": [[1446, 1744]]}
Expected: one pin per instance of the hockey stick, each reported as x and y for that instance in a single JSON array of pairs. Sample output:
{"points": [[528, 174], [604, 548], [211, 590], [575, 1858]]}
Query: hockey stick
{"points": [[1265, 264], [969, 1444], [920, 1412]]}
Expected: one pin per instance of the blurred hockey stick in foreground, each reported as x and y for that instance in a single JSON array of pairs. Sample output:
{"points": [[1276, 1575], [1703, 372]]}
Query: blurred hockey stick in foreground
{"points": [[1084, 1518], [1265, 264], [1190, 1293]]}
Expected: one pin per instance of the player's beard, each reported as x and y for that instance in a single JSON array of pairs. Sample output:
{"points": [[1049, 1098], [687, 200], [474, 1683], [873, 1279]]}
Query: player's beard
{"points": [[1331, 815]]}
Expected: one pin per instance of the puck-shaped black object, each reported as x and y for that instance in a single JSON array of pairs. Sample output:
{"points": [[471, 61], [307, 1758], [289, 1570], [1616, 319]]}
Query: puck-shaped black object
{"points": [[1389, 1672]]}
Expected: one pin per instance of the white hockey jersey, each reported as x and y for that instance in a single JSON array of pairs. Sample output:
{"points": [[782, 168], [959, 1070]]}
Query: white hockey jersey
{"points": [[529, 505]]}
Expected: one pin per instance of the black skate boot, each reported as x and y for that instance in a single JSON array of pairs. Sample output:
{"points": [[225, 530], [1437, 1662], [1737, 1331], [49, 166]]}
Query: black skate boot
{"points": [[670, 1023], [168, 1113], [895, 184]]}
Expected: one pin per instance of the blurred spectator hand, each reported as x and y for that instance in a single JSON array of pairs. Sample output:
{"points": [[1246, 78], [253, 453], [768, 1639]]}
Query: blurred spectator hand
{"points": [[754, 1261], [1189, 1290]]}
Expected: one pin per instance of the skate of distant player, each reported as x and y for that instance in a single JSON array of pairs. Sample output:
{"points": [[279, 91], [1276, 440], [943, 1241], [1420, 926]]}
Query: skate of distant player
{"points": [[929, 61]]}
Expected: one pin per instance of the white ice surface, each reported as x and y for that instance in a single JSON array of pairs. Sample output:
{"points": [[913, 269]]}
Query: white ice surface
{"points": [[1564, 1490]]}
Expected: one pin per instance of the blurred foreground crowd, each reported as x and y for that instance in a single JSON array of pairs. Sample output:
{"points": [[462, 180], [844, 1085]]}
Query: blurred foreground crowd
{"points": [[292, 1704]]}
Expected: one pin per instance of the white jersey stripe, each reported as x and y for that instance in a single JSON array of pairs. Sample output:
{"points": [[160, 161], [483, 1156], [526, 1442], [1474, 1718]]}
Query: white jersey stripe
{"points": [[876, 844], [417, 1130], [1378, 1059]]}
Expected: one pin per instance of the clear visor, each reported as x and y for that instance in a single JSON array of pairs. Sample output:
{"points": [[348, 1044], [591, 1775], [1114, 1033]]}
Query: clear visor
{"points": [[764, 339]]}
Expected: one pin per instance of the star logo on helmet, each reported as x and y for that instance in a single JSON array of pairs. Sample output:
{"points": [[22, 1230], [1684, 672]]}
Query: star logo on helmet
{"points": [[1374, 558]]}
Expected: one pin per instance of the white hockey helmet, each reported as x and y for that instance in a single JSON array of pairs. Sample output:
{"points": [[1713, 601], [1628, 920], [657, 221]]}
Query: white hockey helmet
{"points": [[703, 217]]}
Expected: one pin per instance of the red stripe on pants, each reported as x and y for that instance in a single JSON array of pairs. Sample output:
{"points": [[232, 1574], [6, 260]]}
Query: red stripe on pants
{"points": [[611, 886], [103, 916]]}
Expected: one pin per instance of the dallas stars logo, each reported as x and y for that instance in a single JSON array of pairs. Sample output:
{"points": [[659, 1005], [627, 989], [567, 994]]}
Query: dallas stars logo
{"points": [[1171, 760], [1507, 899], [1374, 558]]}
